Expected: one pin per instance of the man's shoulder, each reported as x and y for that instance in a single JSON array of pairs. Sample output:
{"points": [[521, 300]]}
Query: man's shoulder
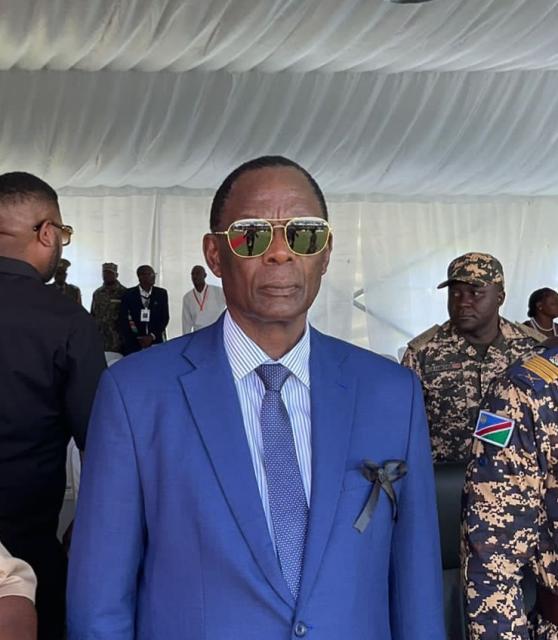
{"points": [[537, 370], [426, 337], [513, 331], [361, 361]]}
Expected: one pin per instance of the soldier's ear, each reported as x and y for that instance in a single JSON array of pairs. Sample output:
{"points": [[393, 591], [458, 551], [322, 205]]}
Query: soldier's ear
{"points": [[501, 297]]}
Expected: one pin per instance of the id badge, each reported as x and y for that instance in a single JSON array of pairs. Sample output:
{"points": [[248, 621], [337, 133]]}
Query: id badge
{"points": [[145, 314]]}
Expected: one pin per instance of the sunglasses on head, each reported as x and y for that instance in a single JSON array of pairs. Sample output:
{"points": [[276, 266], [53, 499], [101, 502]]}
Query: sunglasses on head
{"points": [[252, 237]]}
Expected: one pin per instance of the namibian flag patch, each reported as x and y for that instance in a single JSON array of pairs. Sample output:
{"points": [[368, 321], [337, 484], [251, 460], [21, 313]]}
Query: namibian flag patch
{"points": [[494, 429]]}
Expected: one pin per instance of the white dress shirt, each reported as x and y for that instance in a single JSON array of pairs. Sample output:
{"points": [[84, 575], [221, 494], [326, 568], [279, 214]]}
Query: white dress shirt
{"points": [[200, 309], [244, 357]]}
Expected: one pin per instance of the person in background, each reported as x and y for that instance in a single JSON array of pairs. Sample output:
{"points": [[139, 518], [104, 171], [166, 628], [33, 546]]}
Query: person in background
{"points": [[60, 284], [256, 479], [457, 361], [144, 313], [542, 309], [105, 307], [510, 504], [51, 358], [203, 304], [18, 619]]}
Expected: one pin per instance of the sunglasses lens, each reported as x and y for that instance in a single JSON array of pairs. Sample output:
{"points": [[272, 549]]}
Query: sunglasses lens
{"points": [[307, 236], [250, 238]]}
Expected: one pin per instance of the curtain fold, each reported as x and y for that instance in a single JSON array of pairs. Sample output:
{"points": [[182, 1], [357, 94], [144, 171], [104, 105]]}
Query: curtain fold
{"points": [[396, 252]]}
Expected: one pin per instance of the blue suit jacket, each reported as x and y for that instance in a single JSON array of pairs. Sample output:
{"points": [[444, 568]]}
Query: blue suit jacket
{"points": [[171, 541]]}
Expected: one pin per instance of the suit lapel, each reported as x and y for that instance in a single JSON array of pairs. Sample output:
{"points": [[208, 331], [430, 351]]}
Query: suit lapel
{"points": [[332, 405], [220, 424]]}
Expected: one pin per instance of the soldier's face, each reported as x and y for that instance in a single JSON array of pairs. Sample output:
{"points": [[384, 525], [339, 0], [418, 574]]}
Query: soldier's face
{"points": [[471, 307], [109, 277], [60, 276]]}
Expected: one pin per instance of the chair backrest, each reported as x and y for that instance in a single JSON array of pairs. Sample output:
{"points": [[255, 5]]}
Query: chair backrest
{"points": [[450, 478]]}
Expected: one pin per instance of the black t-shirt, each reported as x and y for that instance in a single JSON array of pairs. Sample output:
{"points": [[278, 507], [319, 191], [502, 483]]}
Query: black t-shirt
{"points": [[51, 357]]}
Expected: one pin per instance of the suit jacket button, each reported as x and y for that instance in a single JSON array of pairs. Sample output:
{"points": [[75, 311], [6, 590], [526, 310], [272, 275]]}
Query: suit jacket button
{"points": [[300, 629]]}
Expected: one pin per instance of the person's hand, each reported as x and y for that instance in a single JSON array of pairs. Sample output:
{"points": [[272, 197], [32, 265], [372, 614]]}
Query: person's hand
{"points": [[145, 341]]}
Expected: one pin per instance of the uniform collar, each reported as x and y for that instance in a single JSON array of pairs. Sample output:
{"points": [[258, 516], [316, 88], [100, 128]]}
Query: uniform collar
{"points": [[19, 268]]}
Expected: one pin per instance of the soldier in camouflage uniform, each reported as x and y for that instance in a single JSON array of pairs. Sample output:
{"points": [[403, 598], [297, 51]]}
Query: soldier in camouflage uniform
{"points": [[65, 288], [456, 361], [105, 307], [511, 504]]}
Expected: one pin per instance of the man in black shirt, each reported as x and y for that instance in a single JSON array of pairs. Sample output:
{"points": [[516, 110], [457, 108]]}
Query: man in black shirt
{"points": [[51, 357]]}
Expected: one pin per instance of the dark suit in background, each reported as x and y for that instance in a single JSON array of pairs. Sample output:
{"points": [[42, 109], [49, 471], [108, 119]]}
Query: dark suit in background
{"points": [[130, 324]]}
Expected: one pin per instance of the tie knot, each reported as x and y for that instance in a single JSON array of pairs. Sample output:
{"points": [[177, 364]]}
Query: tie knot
{"points": [[273, 376]]}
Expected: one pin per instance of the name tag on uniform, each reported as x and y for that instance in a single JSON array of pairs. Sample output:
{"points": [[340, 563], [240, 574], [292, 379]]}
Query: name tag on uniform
{"points": [[145, 315]]}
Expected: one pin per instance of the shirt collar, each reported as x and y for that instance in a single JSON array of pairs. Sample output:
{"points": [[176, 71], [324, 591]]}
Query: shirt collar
{"points": [[144, 293], [245, 355], [19, 268]]}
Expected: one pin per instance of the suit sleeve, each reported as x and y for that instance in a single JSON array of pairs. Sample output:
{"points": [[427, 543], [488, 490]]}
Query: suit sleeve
{"points": [[502, 500], [108, 538], [415, 571], [85, 363], [128, 338], [165, 317]]}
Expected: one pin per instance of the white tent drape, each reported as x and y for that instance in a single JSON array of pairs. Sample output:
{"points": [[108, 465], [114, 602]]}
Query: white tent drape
{"points": [[423, 134], [396, 251]]}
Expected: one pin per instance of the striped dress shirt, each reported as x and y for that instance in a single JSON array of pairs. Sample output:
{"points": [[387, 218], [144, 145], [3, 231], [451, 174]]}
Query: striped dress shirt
{"points": [[245, 356]]}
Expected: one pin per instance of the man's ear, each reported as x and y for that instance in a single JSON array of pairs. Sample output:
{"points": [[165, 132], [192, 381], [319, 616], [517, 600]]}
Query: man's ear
{"points": [[211, 253], [47, 234], [501, 297]]}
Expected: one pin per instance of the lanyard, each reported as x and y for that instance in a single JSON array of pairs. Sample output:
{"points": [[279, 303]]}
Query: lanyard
{"points": [[202, 303]]}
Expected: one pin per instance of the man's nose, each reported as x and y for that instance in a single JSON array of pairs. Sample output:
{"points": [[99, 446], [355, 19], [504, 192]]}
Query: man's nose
{"points": [[278, 251]]}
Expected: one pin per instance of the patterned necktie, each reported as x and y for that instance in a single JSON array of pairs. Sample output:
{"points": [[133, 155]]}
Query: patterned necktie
{"points": [[287, 500]]}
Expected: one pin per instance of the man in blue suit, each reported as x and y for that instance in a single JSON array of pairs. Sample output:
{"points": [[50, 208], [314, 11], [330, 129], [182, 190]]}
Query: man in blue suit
{"points": [[258, 480]]}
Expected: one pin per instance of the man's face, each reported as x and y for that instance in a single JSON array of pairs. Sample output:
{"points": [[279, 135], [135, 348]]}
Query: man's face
{"points": [[279, 286], [198, 277], [471, 308], [109, 277], [146, 277], [49, 252]]}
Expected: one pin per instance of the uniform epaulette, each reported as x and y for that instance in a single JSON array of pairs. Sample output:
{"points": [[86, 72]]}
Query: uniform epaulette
{"points": [[424, 338], [536, 371], [530, 332]]}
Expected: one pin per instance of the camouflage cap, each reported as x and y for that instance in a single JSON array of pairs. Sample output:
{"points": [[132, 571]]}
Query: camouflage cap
{"points": [[478, 269], [64, 264], [110, 266]]}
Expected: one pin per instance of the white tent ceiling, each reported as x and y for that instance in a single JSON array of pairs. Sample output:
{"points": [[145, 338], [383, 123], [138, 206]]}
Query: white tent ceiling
{"points": [[453, 97]]}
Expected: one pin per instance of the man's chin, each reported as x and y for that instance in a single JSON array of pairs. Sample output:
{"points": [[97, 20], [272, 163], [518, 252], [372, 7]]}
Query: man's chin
{"points": [[465, 324]]}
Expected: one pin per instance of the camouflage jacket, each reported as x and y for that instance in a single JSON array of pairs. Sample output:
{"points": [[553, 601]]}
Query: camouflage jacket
{"points": [[511, 504], [105, 307], [454, 380]]}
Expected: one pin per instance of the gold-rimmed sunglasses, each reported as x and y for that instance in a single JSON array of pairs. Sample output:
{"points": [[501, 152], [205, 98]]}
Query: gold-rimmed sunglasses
{"points": [[66, 229], [252, 237]]}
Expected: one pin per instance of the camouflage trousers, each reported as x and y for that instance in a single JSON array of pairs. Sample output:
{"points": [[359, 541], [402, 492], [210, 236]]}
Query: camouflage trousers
{"points": [[540, 629]]}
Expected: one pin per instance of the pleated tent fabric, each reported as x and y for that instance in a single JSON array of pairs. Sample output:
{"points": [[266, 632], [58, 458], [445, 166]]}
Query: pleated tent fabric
{"points": [[443, 112]]}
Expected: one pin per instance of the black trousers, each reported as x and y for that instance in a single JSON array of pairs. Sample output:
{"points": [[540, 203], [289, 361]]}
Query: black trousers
{"points": [[42, 550]]}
